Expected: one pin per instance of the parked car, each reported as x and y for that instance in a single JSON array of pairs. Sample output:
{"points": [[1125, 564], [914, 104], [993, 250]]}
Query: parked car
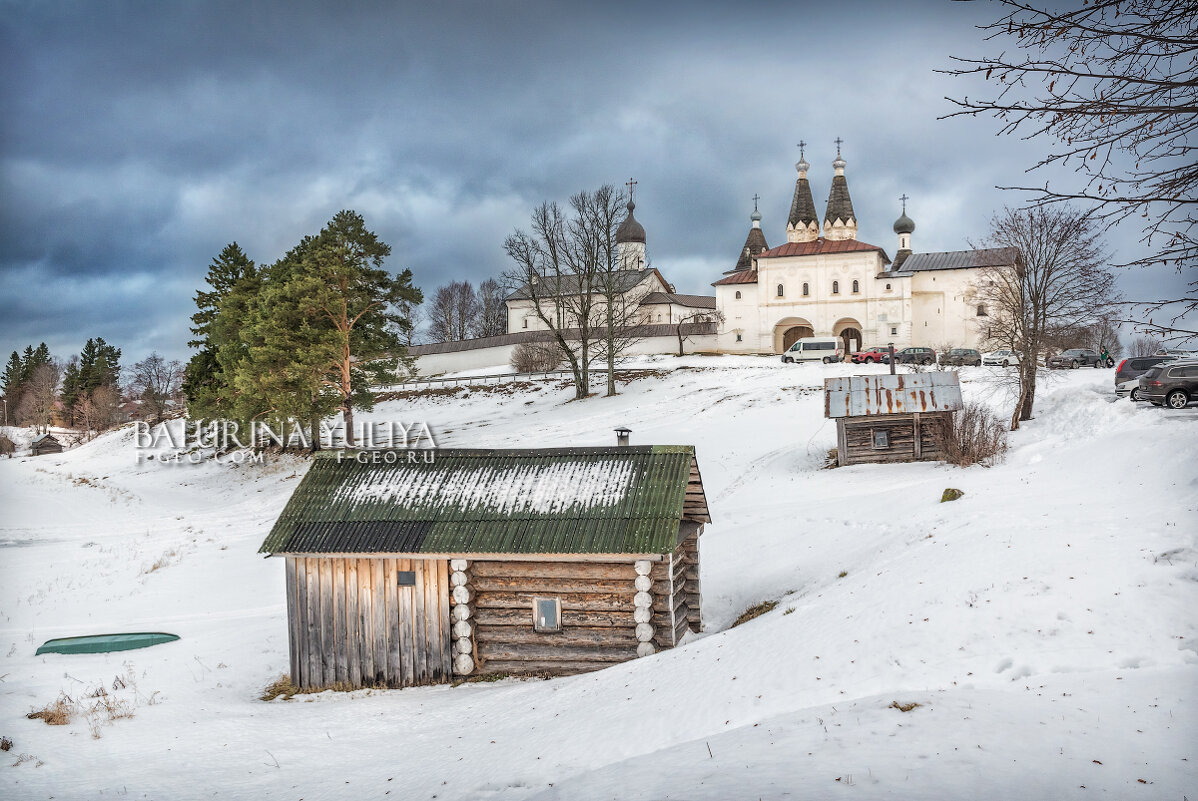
{"points": [[1173, 384], [1127, 374], [962, 356], [1000, 358], [810, 349], [913, 356], [1177, 353], [1075, 358], [870, 355]]}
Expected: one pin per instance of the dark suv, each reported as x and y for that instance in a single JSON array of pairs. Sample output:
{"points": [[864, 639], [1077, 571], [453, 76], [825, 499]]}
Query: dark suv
{"points": [[1075, 358], [914, 356], [1131, 369], [962, 356], [1173, 384]]}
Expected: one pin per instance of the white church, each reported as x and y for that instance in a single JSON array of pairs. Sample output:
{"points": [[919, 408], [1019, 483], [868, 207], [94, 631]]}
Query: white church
{"points": [[826, 282]]}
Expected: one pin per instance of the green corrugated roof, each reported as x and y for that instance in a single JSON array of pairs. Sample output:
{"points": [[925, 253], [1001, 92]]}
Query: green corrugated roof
{"points": [[553, 500]]}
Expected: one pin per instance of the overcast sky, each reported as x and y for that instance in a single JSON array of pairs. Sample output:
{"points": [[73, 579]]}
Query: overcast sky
{"points": [[139, 139]]}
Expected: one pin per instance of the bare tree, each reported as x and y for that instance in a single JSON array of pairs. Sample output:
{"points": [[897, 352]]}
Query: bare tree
{"points": [[98, 411], [536, 357], [552, 273], [491, 320], [1143, 346], [1111, 84], [620, 290], [158, 384], [1059, 284], [453, 314], [40, 393], [705, 316]]}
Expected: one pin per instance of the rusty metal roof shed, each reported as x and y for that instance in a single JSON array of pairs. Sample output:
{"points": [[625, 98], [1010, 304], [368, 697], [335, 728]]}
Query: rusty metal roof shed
{"points": [[872, 395]]}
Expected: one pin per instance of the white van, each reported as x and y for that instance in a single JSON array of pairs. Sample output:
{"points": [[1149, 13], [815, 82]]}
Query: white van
{"points": [[809, 349]]}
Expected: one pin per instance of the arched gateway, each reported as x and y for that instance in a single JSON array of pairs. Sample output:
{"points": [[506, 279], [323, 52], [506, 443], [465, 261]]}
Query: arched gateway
{"points": [[790, 330]]}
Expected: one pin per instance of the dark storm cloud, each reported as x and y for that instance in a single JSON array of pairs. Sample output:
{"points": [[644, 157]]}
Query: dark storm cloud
{"points": [[139, 139]]}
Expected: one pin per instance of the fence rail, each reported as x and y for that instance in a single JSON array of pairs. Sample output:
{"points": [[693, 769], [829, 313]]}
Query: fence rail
{"points": [[495, 378]]}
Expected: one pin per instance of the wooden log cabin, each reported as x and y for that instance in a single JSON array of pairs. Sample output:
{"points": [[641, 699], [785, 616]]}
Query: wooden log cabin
{"points": [[46, 443], [416, 567], [891, 418]]}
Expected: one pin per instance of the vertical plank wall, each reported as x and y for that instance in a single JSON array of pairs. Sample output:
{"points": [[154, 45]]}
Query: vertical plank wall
{"points": [[350, 624]]}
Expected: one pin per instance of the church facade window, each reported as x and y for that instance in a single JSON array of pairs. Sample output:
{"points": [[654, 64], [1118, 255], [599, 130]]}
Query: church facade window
{"points": [[738, 338], [526, 322], [806, 288], [835, 287], [893, 330], [982, 310], [738, 295], [888, 287], [781, 291], [856, 287]]}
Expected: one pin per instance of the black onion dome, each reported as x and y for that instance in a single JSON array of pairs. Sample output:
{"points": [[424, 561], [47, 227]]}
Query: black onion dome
{"points": [[630, 230], [904, 224]]}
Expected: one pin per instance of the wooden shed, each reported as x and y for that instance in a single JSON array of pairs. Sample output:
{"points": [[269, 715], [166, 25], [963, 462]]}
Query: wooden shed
{"points": [[413, 567], [891, 418], [46, 443]]}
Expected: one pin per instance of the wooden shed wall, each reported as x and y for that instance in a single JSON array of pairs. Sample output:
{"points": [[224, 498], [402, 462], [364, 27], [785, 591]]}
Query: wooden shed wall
{"points": [[599, 624], [913, 437], [46, 447], [351, 624]]}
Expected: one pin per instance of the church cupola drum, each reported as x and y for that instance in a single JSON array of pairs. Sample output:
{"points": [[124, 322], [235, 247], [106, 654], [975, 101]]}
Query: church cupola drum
{"points": [[840, 223], [630, 241]]}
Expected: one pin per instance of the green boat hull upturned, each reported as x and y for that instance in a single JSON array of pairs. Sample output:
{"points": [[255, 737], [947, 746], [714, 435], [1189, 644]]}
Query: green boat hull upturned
{"points": [[103, 643]]}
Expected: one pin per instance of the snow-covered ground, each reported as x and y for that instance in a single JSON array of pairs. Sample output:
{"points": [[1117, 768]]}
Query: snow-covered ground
{"points": [[1044, 623]]}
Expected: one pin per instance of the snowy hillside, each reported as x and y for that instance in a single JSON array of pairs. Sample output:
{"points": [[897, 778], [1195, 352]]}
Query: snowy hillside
{"points": [[1043, 624]]}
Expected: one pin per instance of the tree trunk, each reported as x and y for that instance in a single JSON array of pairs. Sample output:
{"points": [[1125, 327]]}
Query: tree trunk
{"points": [[314, 445], [681, 339], [611, 369], [347, 414]]}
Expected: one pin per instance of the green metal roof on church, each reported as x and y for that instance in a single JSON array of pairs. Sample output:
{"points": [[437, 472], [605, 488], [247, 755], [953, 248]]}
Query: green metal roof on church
{"points": [[613, 500]]}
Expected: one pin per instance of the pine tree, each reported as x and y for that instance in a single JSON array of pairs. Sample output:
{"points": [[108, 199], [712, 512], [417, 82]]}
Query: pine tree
{"points": [[221, 313], [280, 378], [11, 387], [342, 283]]}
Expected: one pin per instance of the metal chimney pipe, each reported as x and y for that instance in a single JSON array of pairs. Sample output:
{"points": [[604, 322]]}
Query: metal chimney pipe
{"points": [[622, 436]]}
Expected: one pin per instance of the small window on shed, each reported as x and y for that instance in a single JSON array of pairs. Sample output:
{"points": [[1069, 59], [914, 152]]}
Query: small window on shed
{"points": [[405, 578], [547, 614], [738, 295], [856, 287], [780, 291], [881, 439], [835, 287]]}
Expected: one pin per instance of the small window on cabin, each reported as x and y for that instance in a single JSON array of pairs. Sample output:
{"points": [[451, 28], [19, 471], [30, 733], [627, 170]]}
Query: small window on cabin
{"points": [[780, 291], [738, 295], [406, 578], [835, 287], [982, 310], [806, 288], [856, 287], [547, 614], [881, 439]]}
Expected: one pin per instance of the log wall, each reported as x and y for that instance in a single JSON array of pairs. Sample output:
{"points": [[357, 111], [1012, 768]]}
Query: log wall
{"points": [[351, 625], [914, 437]]}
